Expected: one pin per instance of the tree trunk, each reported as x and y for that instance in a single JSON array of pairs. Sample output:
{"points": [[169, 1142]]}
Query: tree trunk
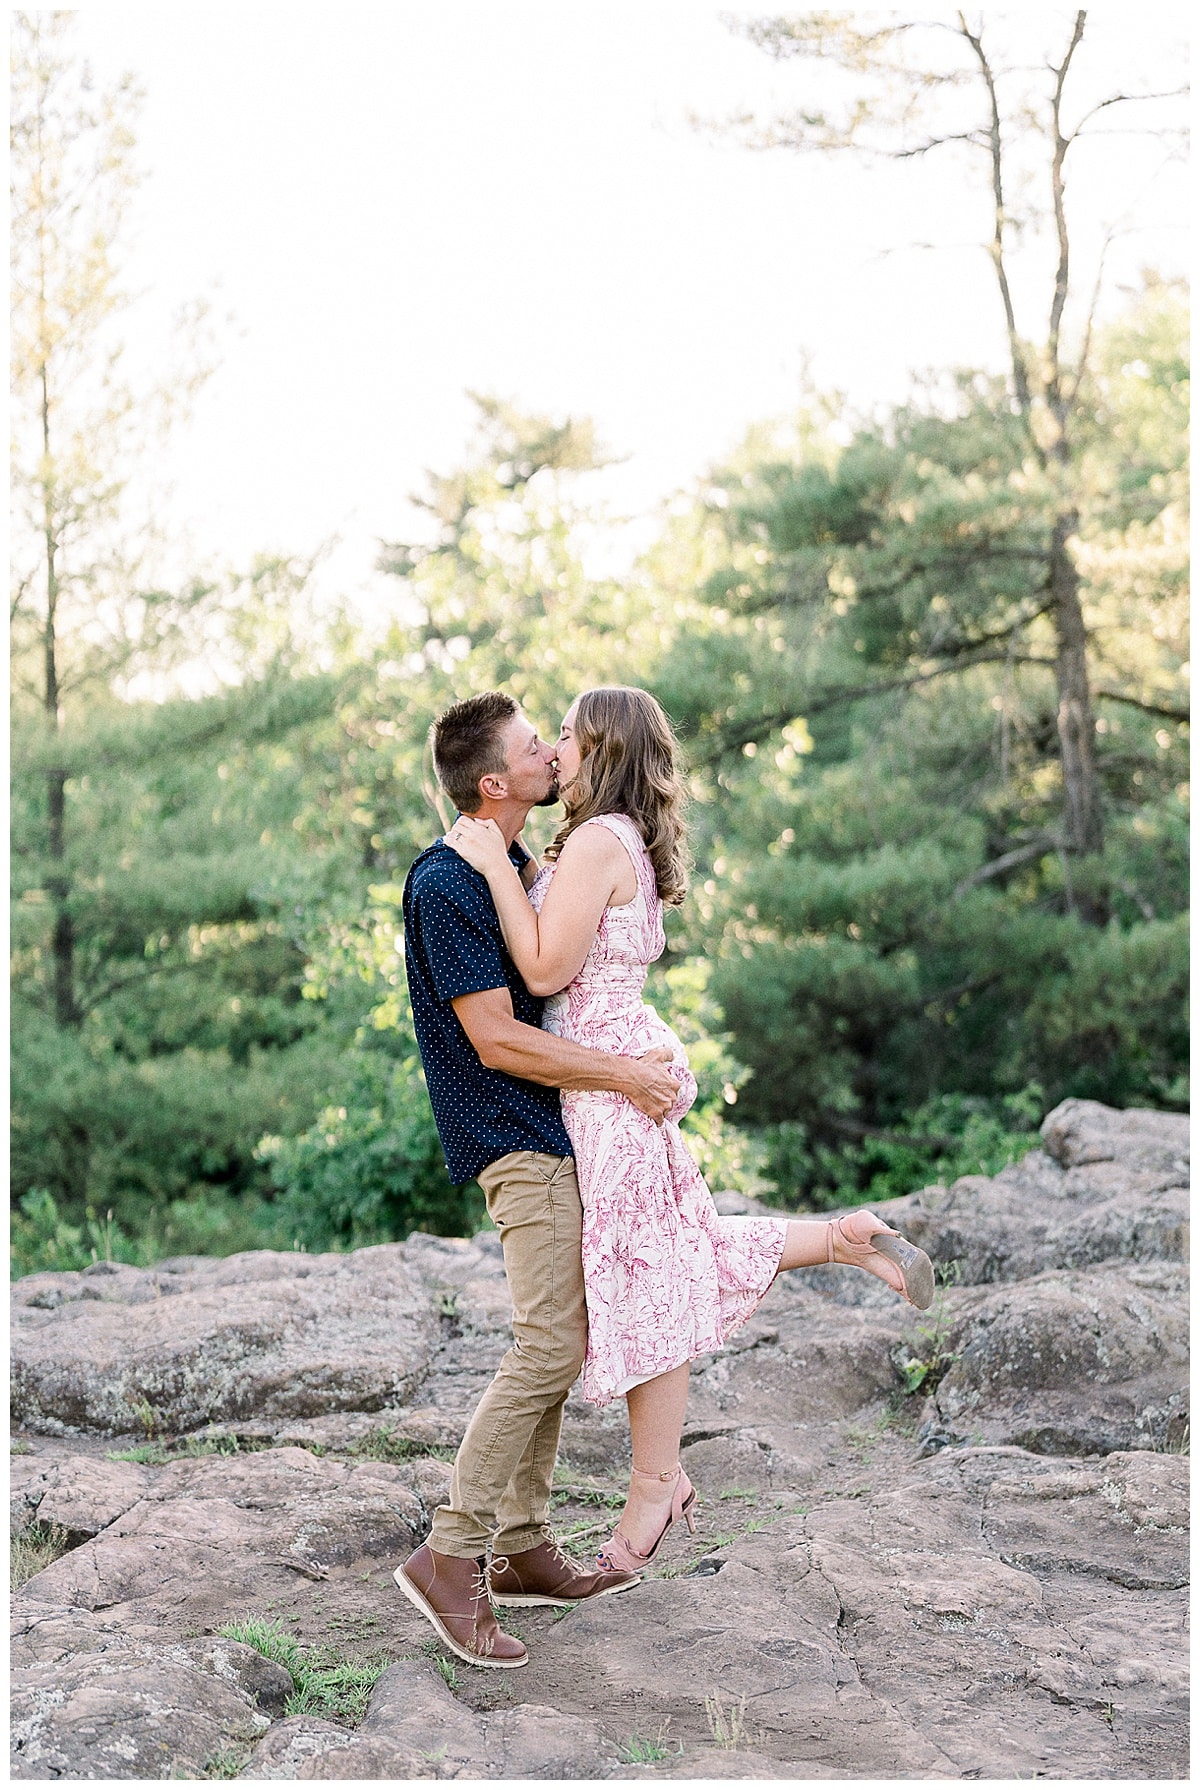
{"points": [[1083, 820], [62, 940], [62, 944]]}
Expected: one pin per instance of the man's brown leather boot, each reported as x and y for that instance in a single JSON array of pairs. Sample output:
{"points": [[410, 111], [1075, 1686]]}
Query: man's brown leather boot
{"points": [[452, 1595], [544, 1575]]}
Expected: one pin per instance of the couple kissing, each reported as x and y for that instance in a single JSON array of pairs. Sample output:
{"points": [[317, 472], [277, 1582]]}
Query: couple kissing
{"points": [[560, 1090]]}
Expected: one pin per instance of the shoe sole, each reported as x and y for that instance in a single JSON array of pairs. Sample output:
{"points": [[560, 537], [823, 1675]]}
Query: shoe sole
{"points": [[519, 1600], [914, 1265], [427, 1610]]}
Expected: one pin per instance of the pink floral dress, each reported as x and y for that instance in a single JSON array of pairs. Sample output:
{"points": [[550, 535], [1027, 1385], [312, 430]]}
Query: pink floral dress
{"points": [[666, 1277]]}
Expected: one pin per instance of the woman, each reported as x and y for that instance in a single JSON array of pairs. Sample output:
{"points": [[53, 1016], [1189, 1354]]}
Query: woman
{"points": [[667, 1278]]}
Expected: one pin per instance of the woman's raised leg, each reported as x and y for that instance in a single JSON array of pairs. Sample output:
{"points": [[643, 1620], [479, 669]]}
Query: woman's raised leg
{"points": [[860, 1240]]}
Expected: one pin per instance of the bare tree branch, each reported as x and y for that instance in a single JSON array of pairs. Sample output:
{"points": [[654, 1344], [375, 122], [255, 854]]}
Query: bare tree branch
{"points": [[754, 728], [1085, 352], [1020, 371], [972, 137], [142, 975], [1123, 99], [1168, 711], [1054, 388], [19, 596], [1010, 860], [954, 648]]}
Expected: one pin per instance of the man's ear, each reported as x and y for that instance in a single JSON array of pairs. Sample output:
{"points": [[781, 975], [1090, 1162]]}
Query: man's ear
{"points": [[493, 788]]}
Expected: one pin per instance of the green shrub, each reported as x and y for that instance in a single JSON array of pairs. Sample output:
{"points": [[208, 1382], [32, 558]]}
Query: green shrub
{"points": [[98, 1129], [371, 1169], [948, 1136], [44, 1238]]}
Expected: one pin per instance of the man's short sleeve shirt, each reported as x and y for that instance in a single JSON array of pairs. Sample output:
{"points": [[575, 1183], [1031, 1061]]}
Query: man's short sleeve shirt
{"points": [[453, 945]]}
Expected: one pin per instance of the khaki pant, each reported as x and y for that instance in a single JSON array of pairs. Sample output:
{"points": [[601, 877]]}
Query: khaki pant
{"points": [[501, 1483]]}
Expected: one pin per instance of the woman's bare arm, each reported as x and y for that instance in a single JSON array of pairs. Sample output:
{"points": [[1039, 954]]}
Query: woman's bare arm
{"points": [[549, 950], [593, 870], [529, 868]]}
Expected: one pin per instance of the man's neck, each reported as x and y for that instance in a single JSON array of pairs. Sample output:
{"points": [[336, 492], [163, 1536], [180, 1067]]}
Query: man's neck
{"points": [[510, 817]]}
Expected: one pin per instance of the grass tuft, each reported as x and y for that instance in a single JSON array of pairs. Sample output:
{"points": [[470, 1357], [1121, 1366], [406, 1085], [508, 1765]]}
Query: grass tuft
{"points": [[269, 1639], [638, 1750], [448, 1672], [588, 1495], [227, 1763], [726, 1725], [381, 1444], [327, 1684], [334, 1687], [176, 1448], [34, 1548], [756, 1525], [923, 1358]]}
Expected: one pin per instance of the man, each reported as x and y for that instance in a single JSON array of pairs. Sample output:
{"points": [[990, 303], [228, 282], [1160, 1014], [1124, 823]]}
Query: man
{"points": [[493, 1077]]}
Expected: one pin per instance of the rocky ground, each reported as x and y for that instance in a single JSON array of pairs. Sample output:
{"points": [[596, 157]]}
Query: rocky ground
{"points": [[949, 1546]]}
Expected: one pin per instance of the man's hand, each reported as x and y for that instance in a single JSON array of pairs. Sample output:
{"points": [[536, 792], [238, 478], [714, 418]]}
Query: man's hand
{"points": [[654, 1083]]}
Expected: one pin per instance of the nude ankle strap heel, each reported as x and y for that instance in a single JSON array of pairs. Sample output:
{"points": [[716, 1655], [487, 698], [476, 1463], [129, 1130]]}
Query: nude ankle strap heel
{"points": [[916, 1269], [617, 1556], [682, 1503]]}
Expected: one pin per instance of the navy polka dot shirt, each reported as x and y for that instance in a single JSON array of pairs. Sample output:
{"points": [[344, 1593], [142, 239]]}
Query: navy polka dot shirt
{"points": [[453, 945]]}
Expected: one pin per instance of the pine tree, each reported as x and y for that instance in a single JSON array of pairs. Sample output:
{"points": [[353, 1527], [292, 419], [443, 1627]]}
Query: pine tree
{"points": [[919, 88], [894, 914]]}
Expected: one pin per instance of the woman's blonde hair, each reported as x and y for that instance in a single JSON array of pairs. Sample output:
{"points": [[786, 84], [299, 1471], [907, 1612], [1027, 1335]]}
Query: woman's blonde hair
{"points": [[628, 765]]}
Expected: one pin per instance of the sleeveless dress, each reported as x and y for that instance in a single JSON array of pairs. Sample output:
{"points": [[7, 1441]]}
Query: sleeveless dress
{"points": [[666, 1277]]}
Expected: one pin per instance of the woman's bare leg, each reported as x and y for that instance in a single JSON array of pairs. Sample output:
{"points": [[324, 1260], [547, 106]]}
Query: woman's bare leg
{"points": [[656, 1412], [657, 1407]]}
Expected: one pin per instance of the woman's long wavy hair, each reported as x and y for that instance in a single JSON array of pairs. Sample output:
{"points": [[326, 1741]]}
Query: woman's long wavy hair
{"points": [[628, 764]]}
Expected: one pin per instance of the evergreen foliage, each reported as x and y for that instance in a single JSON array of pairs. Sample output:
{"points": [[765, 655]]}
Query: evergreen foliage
{"points": [[370, 1168], [893, 911], [899, 948]]}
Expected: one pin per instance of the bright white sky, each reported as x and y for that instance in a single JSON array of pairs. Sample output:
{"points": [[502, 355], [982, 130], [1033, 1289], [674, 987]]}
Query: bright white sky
{"points": [[399, 202]]}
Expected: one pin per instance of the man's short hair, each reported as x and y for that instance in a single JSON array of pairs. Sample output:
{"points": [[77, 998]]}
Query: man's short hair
{"points": [[468, 743]]}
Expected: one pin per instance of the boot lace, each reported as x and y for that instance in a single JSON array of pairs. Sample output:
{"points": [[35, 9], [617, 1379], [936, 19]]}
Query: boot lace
{"points": [[561, 1557], [481, 1643]]}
